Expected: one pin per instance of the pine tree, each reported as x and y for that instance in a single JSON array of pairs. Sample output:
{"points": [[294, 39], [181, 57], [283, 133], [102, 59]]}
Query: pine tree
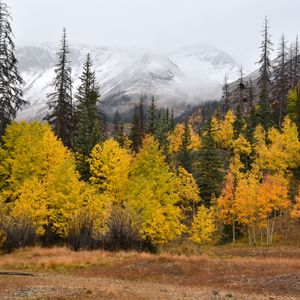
{"points": [[88, 129], [238, 124], [209, 169], [251, 94], [118, 133], [184, 149], [152, 118], [172, 121], [10, 80], [280, 83], [225, 97], [264, 113], [241, 87], [59, 102], [134, 134], [138, 126]]}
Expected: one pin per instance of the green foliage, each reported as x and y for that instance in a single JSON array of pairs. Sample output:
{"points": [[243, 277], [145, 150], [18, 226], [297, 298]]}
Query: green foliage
{"points": [[209, 169]]}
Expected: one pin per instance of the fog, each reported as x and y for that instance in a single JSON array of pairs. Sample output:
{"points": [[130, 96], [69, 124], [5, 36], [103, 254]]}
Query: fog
{"points": [[160, 25]]}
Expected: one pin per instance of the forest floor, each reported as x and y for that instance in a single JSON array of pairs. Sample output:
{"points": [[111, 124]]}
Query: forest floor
{"points": [[220, 273]]}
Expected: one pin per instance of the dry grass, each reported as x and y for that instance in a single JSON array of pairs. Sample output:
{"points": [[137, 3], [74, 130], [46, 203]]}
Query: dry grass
{"points": [[264, 271]]}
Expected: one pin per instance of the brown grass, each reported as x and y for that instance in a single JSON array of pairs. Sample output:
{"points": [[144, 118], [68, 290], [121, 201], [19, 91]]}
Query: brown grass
{"points": [[264, 271]]}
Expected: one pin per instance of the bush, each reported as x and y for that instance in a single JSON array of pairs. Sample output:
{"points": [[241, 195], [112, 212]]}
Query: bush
{"points": [[17, 234], [122, 233], [80, 233]]}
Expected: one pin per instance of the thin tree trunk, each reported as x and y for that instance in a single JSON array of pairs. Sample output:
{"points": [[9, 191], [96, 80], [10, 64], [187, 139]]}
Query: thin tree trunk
{"points": [[233, 232]]}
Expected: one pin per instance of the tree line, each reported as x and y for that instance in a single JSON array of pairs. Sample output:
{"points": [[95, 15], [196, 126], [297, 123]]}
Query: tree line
{"points": [[230, 175]]}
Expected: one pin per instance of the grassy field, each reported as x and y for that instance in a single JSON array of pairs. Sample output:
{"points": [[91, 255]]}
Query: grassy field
{"points": [[220, 273]]}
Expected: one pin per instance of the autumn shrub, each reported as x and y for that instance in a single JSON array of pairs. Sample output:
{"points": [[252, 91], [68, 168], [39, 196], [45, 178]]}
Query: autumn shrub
{"points": [[80, 233], [17, 234], [122, 233]]}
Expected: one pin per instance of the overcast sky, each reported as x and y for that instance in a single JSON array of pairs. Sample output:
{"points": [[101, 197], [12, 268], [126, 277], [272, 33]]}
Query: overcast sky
{"points": [[160, 25]]}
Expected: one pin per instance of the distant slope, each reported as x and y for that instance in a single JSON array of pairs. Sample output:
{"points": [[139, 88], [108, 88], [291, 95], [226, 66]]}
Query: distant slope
{"points": [[187, 76]]}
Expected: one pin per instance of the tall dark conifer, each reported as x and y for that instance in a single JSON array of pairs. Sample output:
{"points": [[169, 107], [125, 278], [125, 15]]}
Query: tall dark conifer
{"points": [[264, 113], [59, 102], [209, 169], [225, 97], [185, 152], [280, 83], [10, 80], [88, 120], [152, 118], [138, 126], [118, 131], [88, 127]]}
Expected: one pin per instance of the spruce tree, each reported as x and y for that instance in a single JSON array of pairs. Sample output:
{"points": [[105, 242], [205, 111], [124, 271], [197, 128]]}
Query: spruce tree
{"points": [[10, 80], [163, 129], [238, 124], [280, 83], [185, 154], [209, 168], [225, 97], [264, 113], [138, 126], [88, 127], [118, 131], [152, 118], [59, 102], [88, 120]]}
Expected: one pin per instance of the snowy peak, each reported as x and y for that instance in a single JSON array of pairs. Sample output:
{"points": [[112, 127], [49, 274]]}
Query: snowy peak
{"points": [[187, 76]]}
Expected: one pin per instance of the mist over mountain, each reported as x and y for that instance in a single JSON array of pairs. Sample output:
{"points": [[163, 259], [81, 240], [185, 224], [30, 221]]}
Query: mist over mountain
{"points": [[184, 77]]}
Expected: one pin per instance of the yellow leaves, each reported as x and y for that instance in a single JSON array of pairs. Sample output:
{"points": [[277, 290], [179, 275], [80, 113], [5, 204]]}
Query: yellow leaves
{"points": [[176, 139], [242, 146], [151, 195], [109, 166], [40, 178], [222, 130], [203, 225], [187, 189], [295, 213], [282, 152]]}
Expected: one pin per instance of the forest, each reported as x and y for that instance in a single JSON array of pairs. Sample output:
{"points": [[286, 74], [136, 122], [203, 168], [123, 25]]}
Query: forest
{"points": [[226, 173]]}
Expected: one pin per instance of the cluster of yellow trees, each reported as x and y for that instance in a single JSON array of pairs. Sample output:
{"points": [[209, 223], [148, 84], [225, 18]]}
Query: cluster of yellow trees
{"points": [[255, 196], [39, 184]]}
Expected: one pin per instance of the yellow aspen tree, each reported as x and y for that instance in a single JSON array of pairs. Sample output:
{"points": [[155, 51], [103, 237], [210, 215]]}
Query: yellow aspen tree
{"points": [[188, 191], [109, 167], [152, 197], [223, 131], [203, 226], [175, 139]]}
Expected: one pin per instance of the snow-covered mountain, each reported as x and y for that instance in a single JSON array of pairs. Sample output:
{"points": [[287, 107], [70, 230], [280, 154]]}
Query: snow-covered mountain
{"points": [[187, 76]]}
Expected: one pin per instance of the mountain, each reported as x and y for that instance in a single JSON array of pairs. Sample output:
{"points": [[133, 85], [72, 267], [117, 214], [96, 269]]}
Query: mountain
{"points": [[178, 79]]}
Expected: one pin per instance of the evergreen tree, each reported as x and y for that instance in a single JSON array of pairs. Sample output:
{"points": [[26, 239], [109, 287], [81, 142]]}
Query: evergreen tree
{"points": [[251, 94], [241, 87], [59, 102], [280, 83], [138, 126], [118, 133], [88, 122], [152, 118], [225, 97], [264, 113], [10, 80], [238, 124], [209, 169], [162, 131], [172, 121], [88, 127], [185, 158]]}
